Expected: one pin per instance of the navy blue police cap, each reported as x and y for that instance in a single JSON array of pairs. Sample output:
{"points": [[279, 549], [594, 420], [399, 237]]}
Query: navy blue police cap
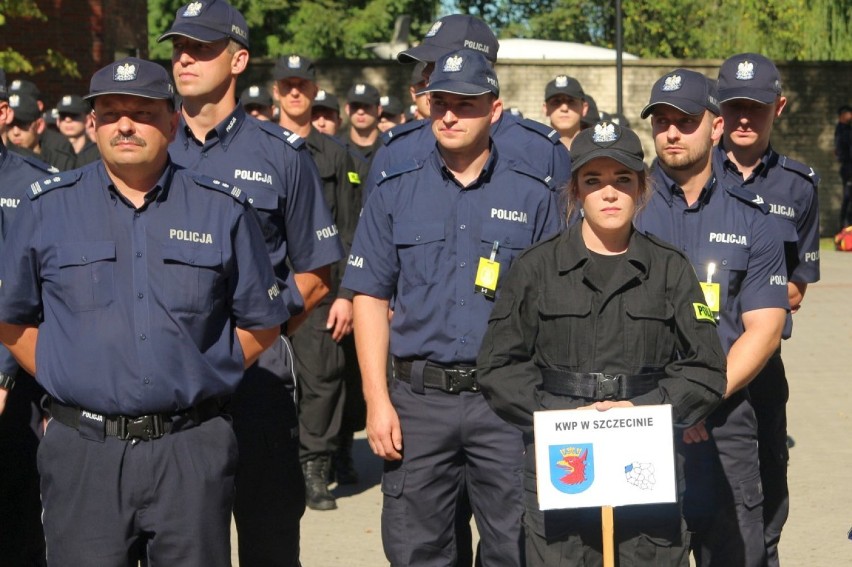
{"points": [[391, 106], [325, 99], [609, 140], [688, 91], [25, 107], [750, 76], [563, 84], [463, 72], [72, 104], [132, 76], [256, 94], [451, 33], [363, 93], [208, 21], [296, 66]]}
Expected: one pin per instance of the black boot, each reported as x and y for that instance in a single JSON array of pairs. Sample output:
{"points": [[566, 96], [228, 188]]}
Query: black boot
{"points": [[317, 495], [344, 467]]}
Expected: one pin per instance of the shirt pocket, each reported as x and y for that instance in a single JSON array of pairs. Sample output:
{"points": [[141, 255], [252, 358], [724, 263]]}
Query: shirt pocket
{"points": [[419, 247], [266, 203], [566, 335], [86, 274], [649, 327], [731, 266], [193, 278], [511, 238]]}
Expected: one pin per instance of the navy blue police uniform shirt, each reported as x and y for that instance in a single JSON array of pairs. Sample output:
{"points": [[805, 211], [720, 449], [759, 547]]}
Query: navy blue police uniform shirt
{"points": [[137, 308], [789, 189], [420, 239], [519, 139], [16, 174], [729, 227], [275, 170]]}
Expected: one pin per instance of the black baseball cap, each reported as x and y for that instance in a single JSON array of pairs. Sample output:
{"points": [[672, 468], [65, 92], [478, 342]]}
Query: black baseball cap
{"points": [[463, 72], [294, 66], [751, 76], [25, 107], [563, 84], [208, 21], [451, 33], [72, 104], [363, 93], [688, 91], [609, 140], [23, 86], [255, 94], [132, 76], [391, 105], [325, 99]]}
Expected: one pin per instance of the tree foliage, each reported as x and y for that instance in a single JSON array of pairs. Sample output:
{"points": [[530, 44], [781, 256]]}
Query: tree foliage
{"points": [[13, 61], [317, 29]]}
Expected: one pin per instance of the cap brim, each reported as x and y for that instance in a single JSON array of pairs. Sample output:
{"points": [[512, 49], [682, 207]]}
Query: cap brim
{"points": [[757, 95], [686, 106], [196, 32], [130, 92], [629, 161], [455, 87], [573, 94], [427, 53], [282, 74]]}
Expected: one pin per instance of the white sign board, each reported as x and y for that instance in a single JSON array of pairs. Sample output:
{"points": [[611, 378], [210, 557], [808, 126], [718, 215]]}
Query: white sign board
{"points": [[616, 457]]}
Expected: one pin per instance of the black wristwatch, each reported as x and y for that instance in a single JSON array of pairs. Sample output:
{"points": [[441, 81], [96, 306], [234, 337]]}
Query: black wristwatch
{"points": [[7, 381]]}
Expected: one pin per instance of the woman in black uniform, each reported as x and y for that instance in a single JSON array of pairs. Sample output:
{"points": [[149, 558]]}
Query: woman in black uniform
{"points": [[593, 302]]}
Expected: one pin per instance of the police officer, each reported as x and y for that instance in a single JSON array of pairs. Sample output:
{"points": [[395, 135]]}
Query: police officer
{"points": [[257, 102], [363, 109], [25, 131], [135, 407], [49, 137], [436, 235], [600, 305], [736, 251], [565, 106], [751, 100], [417, 82], [324, 348], [392, 113], [273, 167], [20, 410], [72, 118], [524, 140], [325, 113]]}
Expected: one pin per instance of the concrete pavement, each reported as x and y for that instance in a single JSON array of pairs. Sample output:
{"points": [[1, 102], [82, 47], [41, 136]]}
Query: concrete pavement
{"points": [[819, 366]]}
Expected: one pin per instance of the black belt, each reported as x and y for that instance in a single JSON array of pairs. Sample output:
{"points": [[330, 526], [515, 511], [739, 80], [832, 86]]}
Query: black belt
{"points": [[143, 428], [599, 386], [447, 379]]}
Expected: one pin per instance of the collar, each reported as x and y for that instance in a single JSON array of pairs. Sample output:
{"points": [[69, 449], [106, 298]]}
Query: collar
{"points": [[484, 175], [667, 188], [158, 193], [769, 159], [572, 254], [224, 132]]}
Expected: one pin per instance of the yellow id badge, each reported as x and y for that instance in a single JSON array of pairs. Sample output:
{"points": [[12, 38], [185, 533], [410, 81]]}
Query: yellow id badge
{"points": [[712, 296], [486, 277]]}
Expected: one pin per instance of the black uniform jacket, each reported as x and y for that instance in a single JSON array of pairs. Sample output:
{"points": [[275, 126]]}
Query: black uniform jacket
{"points": [[650, 315]]}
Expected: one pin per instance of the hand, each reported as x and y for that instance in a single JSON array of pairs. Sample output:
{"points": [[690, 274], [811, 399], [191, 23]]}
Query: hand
{"points": [[4, 393], [696, 434], [339, 320], [383, 430], [608, 404]]}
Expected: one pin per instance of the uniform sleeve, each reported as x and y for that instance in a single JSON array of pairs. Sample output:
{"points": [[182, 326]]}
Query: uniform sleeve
{"points": [[561, 167], [256, 300], [507, 373], [348, 210], [20, 284], [695, 382], [765, 282], [381, 161], [551, 217], [312, 240], [807, 270], [373, 265]]}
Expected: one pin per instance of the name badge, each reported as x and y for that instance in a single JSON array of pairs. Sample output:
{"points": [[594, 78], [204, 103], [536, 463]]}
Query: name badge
{"points": [[487, 274], [712, 291]]}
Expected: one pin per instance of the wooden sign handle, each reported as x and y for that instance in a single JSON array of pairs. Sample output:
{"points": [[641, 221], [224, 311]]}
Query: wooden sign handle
{"points": [[608, 526]]}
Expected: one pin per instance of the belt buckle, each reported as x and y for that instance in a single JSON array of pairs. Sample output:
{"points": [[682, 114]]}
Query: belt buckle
{"points": [[459, 379], [608, 386], [144, 428]]}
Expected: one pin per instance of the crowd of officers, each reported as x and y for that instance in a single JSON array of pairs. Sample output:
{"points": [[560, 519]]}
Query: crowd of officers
{"points": [[187, 377]]}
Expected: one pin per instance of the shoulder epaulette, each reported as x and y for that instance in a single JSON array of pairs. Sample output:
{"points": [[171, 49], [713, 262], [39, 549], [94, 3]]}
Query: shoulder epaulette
{"points": [[38, 164], [541, 129], [401, 130], [800, 168], [63, 179], [529, 171], [227, 188], [749, 197], [398, 169], [291, 138]]}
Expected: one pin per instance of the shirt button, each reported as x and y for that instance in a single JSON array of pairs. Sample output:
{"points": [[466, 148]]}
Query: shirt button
{"points": [[136, 215], [724, 262], [82, 258], [147, 380], [143, 337], [417, 238], [463, 340], [139, 254], [461, 302], [462, 227], [462, 264], [140, 295]]}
